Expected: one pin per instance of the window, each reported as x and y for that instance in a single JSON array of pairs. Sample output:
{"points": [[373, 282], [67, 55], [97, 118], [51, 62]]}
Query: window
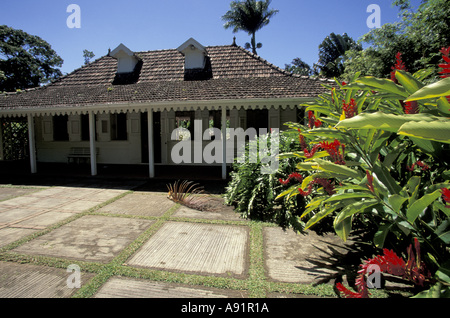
{"points": [[119, 127], [60, 132], [185, 119]]}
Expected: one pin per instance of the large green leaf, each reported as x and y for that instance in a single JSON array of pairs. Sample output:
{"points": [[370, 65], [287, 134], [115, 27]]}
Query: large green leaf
{"points": [[380, 235], [396, 201], [384, 85], [323, 213], [420, 205], [410, 83], [438, 89], [333, 168], [435, 130], [342, 222], [349, 195], [343, 228], [379, 120]]}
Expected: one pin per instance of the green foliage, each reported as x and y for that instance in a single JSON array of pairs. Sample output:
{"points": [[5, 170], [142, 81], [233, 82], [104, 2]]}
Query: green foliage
{"points": [[253, 193], [29, 60], [418, 36], [391, 177], [332, 54]]}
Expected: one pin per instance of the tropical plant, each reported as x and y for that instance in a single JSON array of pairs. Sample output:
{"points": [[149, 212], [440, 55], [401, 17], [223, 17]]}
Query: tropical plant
{"points": [[186, 193], [379, 161], [249, 16], [253, 193]]}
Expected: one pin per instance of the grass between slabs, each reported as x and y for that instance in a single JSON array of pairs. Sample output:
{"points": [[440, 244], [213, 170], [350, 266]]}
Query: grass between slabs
{"points": [[255, 285]]}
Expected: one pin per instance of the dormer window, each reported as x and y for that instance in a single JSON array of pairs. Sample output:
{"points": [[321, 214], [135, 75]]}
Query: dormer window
{"points": [[196, 61], [194, 54], [128, 65], [126, 60]]}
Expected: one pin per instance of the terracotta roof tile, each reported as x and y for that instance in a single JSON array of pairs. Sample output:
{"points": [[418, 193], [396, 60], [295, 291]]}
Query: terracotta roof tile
{"points": [[236, 74]]}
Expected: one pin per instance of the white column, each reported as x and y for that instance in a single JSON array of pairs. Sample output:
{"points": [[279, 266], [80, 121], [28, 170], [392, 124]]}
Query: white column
{"points": [[224, 142], [151, 152], [93, 150], [32, 143]]}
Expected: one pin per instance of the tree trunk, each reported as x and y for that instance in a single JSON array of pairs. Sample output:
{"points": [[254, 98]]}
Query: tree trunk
{"points": [[254, 43]]}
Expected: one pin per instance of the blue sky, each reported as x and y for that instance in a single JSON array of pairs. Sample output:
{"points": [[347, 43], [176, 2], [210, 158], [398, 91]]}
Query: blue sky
{"points": [[296, 31]]}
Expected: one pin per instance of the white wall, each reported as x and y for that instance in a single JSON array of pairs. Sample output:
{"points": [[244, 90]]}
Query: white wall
{"points": [[110, 151]]}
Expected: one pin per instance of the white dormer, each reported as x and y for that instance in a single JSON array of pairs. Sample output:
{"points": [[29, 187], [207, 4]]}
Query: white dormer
{"points": [[126, 59], [194, 54]]}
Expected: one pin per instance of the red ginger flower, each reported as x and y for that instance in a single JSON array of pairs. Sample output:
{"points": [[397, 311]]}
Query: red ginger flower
{"points": [[411, 107], [312, 121], [399, 65], [446, 196], [333, 150], [350, 109], [370, 181], [446, 65], [325, 183], [413, 270], [295, 175], [419, 163]]}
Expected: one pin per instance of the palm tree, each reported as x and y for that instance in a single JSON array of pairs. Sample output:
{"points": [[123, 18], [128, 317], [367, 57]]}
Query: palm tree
{"points": [[332, 53], [249, 16]]}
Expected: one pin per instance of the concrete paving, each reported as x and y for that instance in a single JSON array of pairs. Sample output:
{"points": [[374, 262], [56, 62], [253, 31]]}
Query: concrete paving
{"points": [[206, 243]]}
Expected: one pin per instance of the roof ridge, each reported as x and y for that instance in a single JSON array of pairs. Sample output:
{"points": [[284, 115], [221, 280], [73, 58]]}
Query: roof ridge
{"points": [[259, 58]]}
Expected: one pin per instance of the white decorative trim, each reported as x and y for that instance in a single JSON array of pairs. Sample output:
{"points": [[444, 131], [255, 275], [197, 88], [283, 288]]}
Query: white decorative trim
{"points": [[275, 103]]}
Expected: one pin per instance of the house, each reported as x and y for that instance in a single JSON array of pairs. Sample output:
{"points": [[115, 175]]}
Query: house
{"points": [[123, 107]]}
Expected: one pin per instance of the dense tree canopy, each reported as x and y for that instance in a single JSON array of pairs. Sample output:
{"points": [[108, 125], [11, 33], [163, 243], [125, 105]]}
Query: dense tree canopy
{"points": [[26, 60], [419, 36]]}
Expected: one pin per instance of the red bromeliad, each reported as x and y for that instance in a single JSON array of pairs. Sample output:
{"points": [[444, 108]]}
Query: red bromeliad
{"points": [[413, 270]]}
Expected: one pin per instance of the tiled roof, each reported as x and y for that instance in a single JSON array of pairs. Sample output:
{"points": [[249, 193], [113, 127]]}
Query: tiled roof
{"points": [[235, 74]]}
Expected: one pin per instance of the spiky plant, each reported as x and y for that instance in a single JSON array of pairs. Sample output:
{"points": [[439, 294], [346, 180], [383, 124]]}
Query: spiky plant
{"points": [[187, 193]]}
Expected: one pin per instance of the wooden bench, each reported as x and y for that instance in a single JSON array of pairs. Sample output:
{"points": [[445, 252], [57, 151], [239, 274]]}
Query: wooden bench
{"points": [[80, 154]]}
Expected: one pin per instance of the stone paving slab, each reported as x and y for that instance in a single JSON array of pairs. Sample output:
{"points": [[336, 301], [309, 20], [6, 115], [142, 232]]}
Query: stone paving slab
{"points": [[148, 204], [196, 248], [298, 258], [44, 220], [9, 235], [11, 192], [120, 287], [89, 238], [33, 281], [185, 212]]}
